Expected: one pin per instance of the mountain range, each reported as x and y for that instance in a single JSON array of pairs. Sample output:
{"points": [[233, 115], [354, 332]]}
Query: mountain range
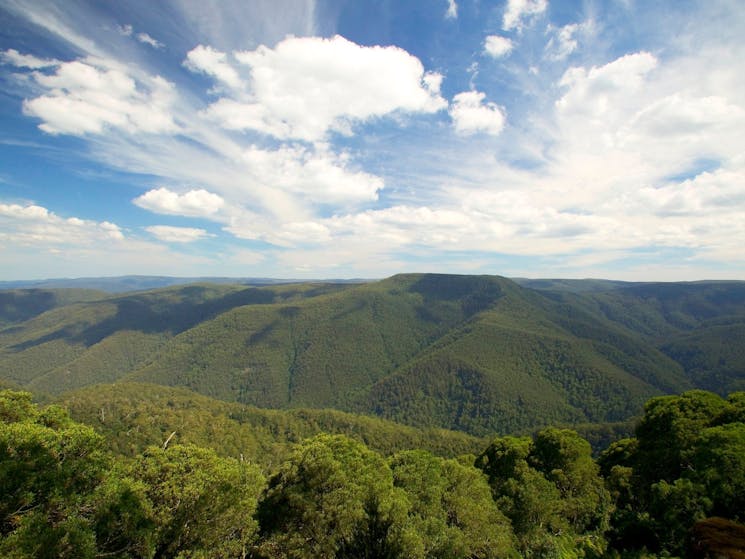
{"points": [[479, 354]]}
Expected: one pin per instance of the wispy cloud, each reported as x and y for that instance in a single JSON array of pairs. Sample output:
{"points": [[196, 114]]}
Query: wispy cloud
{"points": [[15, 58], [452, 10], [173, 234], [146, 39]]}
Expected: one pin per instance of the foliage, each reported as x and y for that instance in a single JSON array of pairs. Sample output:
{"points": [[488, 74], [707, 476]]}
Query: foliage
{"points": [[332, 498], [49, 467], [451, 509], [551, 490], [62, 494], [135, 416], [202, 505], [686, 463]]}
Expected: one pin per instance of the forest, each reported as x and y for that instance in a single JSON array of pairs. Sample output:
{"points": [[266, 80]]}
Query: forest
{"points": [[314, 488]]}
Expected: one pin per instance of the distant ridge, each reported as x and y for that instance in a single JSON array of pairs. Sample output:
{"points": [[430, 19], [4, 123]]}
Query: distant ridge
{"points": [[123, 284]]}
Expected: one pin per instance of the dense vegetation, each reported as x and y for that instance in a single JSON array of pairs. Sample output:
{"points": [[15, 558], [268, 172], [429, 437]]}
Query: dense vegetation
{"points": [[132, 417], [676, 488], [479, 354]]}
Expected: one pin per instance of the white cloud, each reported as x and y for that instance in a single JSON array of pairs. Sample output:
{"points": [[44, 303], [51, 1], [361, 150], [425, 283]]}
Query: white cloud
{"points": [[497, 46], [14, 58], [519, 10], [681, 116], [33, 225], [86, 97], [317, 177], [37, 243], [146, 39], [563, 41], [452, 11], [604, 96], [713, 193], [194, 203], [214, 63], [305, 87], [471, 115], [172, 234]]}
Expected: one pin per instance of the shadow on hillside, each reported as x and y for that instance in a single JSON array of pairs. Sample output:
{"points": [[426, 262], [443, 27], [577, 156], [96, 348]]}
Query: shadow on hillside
{"points": [[153, 314], [475, 293]]}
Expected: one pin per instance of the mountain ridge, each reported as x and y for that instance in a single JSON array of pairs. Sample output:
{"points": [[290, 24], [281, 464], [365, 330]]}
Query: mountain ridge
{"points": [[480, 354]]}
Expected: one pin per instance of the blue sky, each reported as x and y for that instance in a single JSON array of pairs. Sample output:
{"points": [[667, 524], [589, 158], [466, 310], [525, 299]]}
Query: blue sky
{"points": [[339, 139]]}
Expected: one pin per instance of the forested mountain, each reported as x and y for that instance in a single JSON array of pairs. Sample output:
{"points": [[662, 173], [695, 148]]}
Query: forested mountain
{"points": [[479, 354]]}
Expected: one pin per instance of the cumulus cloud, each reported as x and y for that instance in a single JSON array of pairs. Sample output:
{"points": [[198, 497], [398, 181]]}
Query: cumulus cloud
{"points": [[497, 46], [194, 203], [318, 177], [452, 11], [603, 97], [471, 115], [33, 225], [517, 11], [306, 86], [214, 63], [15, 58], [87, 97], [172, 234]]}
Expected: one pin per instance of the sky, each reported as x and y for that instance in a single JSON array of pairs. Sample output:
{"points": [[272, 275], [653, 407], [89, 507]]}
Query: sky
{"points": [[360, 139]]}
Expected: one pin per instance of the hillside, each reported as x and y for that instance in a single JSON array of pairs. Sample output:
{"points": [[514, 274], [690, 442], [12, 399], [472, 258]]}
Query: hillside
{"points": [[134, 416], [19, 305], [479, 354]]}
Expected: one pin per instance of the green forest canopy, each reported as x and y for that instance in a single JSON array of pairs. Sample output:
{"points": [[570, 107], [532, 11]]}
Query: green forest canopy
{"points": [[677, 487]]}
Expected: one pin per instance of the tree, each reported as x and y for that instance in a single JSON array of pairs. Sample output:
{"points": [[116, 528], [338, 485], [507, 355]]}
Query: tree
{"points": [[551, 490], [202, 504], [667, 431], [49, 468], [333, 498], [565, 459], [452, 510]]}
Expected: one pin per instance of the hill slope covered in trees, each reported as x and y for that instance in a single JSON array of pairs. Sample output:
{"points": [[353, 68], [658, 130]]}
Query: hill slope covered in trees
{"points": [[480, 354]]}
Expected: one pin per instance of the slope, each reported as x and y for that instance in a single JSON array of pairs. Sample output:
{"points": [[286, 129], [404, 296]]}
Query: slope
{"points": [[476, 353], [96, 341], [323, 351], [523, 362], [133, 416], [20, 305]]}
